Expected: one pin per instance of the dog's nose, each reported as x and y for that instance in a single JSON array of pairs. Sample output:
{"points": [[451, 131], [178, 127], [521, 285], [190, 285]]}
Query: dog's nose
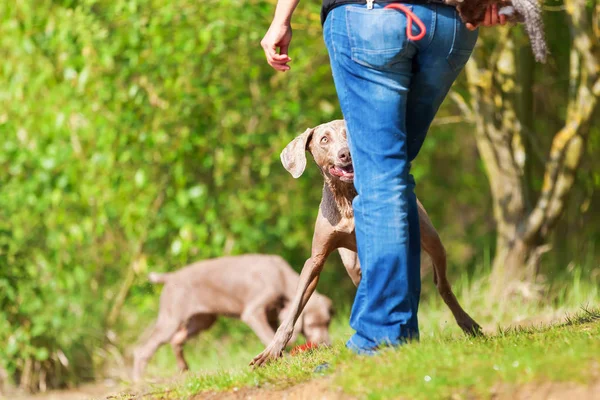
{"points": [[344, 155]]}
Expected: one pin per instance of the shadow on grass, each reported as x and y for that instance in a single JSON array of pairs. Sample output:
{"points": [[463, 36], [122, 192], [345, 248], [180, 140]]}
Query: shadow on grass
{"points": [[585, 316]]}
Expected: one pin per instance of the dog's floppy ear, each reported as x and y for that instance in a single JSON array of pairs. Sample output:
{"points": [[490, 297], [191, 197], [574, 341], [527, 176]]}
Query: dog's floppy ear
{"points": [[293, 157]]}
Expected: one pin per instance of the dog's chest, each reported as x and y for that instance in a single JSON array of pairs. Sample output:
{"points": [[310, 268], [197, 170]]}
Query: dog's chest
{"points": [[344, 234], [345, 227]]}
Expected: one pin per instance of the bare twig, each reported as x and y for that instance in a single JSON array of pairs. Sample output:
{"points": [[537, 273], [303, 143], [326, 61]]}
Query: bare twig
{"points": [[133, 266]]}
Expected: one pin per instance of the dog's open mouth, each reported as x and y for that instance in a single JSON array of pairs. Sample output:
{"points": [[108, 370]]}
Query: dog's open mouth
{"points": [[345, 173]]}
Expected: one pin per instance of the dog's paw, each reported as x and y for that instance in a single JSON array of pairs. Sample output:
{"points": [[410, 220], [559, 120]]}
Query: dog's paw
{"points": [[472, 328], [272, 352]]}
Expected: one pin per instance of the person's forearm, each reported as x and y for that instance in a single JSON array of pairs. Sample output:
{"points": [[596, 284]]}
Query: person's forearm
{"points": [[284, 11]]}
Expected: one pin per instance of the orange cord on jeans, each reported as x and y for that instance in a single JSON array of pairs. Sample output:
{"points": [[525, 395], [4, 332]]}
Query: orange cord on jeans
{"points": [[410, 17]]}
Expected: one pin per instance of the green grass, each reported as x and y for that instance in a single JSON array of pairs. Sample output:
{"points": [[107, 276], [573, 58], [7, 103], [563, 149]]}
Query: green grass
{"points": [[230, 344], [529, 339], [446, 367], [439, 367]]}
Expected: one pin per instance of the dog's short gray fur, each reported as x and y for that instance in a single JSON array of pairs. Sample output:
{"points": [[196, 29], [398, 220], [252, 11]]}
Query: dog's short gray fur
{"points": [[256, 288], [334, 229]]}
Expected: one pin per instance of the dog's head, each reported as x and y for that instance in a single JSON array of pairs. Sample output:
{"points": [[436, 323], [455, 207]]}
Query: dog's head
{"points": [[328, 144], [314, 320]]}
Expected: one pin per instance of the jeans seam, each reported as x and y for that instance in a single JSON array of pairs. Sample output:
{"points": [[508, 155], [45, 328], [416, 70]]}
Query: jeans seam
{"points": [[433, 24], [331, 35], [455, 33], [342, 79], [348, 31]]}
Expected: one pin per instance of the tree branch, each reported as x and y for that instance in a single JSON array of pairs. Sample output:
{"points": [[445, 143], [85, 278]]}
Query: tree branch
{"points": [[462, 106], [568, 144]]}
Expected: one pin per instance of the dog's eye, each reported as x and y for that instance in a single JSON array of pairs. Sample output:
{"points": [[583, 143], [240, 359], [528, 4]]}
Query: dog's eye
{"points": [[324, 140]]}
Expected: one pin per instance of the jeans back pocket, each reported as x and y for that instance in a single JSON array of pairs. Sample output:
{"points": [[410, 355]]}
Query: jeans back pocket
{"points": [[462, 44], [377, 36]]}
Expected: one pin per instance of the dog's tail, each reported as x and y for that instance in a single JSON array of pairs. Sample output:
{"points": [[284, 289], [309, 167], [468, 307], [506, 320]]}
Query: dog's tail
{"points": [[156, 277]]}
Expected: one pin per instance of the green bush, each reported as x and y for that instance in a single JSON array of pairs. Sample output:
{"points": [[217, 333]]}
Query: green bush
{"points": [[138, 132]]}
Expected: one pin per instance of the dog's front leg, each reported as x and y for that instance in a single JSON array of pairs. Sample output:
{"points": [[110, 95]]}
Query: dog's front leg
{"points": [[309, 277], [352, 265]]}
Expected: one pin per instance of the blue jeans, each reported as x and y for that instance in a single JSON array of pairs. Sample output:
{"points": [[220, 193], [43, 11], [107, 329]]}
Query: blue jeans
{"points": [[390, 89]]}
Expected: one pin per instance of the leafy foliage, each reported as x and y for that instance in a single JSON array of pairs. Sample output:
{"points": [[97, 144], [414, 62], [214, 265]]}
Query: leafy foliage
{"points": [[138, 132]]}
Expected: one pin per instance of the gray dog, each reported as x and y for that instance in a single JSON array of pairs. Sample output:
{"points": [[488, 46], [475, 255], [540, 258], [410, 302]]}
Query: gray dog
{"points": [[255, 288], [334, 228]]}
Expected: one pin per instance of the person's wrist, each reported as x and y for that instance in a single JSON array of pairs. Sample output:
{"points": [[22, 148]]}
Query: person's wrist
{"points": [[282, 22]]}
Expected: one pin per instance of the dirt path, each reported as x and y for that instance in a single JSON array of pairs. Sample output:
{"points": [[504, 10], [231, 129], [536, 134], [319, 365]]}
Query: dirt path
{"points": [[548, 391], [99, 390], [317, 389], [321, 390]]}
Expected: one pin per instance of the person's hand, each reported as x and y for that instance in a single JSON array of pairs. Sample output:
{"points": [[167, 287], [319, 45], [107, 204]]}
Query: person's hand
{"points": [[279, 37], [491, 18]]}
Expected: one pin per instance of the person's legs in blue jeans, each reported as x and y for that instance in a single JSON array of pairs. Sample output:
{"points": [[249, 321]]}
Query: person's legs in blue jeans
{"points": [[389, 90]]}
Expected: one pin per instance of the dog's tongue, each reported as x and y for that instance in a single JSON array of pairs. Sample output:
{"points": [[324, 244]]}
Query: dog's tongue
{"points": [[337, 171]]}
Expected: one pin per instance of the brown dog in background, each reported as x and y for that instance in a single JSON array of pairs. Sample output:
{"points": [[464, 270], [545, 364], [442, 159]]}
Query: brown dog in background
{"points": [[255, 288]]}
